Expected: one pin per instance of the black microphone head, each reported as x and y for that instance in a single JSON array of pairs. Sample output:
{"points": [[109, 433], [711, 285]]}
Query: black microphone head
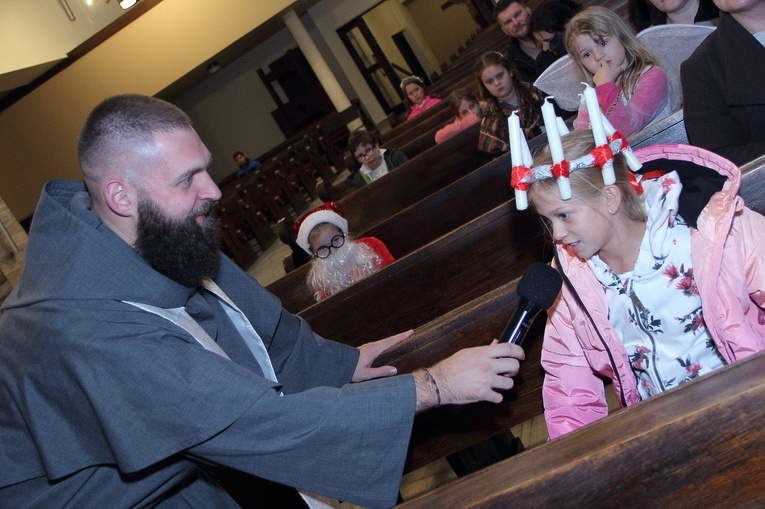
{"points": [[540, 284]]}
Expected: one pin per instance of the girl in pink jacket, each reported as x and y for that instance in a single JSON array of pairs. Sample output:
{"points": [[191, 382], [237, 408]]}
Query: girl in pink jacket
{"points": [[663, 278], [416, 97]]}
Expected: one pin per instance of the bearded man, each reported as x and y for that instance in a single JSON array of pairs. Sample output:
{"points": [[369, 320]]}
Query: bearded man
{"points": [[136, 360]]}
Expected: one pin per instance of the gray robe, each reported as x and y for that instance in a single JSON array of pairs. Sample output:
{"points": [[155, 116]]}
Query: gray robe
{"points": [[105, 405]]}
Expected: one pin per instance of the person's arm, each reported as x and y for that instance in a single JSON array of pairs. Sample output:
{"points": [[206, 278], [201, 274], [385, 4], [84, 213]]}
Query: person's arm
{"points": [[348, 443], [380, 249], [490, 138], [469, 376], [651, 94], [459, 125], [708, 120], [573, 395], [582, 120]]}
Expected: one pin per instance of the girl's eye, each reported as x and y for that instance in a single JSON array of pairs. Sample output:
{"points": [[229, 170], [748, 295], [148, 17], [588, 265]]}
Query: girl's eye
{"points": [[586, 54], [563, 215]]}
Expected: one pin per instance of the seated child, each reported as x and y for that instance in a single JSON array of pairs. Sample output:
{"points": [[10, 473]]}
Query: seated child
{"points": [[499, 85], [338, 260], [632, 89], [375, 162], [663, 276], [416, 97], [466, 110]]}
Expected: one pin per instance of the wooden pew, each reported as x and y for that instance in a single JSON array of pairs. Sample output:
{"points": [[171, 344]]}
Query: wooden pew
{"points": [[439, 117], [381, 200], [701, 444], [404, 127], [670, 129], [439, 277], [486, 187], [413, 180]]}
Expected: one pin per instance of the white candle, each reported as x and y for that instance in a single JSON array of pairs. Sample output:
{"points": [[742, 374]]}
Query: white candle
{"points": [[516, 156], [562, 127], [556, 147], [527, 159], [632, 161], [514, 127], [551, 127], [596, 118]]}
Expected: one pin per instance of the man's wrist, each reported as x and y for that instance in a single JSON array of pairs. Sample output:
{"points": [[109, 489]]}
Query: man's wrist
{"points": [[428, 392]]}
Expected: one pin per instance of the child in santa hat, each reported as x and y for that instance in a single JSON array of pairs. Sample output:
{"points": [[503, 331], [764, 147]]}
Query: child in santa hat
{"points": [[338, 260]]}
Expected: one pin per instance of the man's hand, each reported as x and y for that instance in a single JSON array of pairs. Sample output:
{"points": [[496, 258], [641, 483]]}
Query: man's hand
{"points": [[470, 375], [370, 351]]}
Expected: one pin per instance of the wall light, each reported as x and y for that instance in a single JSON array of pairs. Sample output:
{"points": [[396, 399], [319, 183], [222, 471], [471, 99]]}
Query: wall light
{"points": [[127, 4]]}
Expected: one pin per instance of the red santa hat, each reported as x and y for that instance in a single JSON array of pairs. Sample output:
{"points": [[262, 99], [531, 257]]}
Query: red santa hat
{"points": [[326, 213]]}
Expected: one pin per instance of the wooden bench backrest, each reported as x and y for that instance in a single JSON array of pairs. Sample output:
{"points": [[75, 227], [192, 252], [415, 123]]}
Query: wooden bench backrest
{"points": [[701, 444], [413, 180], [469, 262]]}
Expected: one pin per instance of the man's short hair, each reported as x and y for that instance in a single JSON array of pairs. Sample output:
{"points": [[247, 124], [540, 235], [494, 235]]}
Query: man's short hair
{"points": [[361, 137], [122, 121], [237, 154], [502, 6]]}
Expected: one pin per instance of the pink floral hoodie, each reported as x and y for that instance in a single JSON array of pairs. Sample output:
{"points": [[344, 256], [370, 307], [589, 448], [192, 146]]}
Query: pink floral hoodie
{"points": [[580, 345]]}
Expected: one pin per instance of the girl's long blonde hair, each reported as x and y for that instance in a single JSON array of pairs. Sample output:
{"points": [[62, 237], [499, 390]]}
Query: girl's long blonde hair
{"points": [[598, 22]]}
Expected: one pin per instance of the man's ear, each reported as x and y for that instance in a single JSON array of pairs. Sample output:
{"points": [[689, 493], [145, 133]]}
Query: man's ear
{"points": [[120, 198]]}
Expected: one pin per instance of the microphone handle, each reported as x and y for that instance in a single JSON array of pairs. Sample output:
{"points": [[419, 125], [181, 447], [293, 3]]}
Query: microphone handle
{"points": [[516, 329]]}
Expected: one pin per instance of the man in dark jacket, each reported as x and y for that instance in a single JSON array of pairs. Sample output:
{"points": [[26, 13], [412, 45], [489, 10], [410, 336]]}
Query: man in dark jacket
{"points": [[723, 92], [513, 17]]}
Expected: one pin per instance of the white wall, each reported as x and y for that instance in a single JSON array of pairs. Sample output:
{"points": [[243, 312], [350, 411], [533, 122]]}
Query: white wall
{"points": [[33, 32], [231, 110]]}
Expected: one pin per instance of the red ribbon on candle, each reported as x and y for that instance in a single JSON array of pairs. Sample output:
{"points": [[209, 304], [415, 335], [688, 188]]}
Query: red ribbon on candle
{"points": [[561, 169], [618, 136], [516, 177], [602, 155], [649, 175], [637, 186]]}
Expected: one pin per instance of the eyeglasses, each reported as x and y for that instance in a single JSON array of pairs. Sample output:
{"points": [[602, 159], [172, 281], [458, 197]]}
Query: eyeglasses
{"points": [[366, 154], [336, 242]]}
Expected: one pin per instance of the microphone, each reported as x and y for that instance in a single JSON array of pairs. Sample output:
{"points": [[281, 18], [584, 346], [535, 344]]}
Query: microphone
{"points": [[537, 290]]}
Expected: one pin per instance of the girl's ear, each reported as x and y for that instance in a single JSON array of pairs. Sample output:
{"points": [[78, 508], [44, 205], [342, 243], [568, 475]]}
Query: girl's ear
{"points": [[612, 197]]}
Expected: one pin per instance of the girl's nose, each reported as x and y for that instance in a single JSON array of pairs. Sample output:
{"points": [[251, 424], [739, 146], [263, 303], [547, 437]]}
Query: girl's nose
{"points": [[558, 233]]}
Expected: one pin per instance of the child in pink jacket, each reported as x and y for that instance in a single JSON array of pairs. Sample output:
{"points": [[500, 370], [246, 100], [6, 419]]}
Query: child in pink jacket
{"points": [[467, 110], [663, 278]]}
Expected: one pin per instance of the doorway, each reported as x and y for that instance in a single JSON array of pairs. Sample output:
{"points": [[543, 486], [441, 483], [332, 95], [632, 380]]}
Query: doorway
{"points": [[378, 72]]}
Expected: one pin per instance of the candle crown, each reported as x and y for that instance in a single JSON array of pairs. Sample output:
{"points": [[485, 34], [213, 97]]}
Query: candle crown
{"points": [[601, 156]]}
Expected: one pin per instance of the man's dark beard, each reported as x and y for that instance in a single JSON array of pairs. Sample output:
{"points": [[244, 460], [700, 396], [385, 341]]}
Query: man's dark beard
{"points": [[181, 249]]}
